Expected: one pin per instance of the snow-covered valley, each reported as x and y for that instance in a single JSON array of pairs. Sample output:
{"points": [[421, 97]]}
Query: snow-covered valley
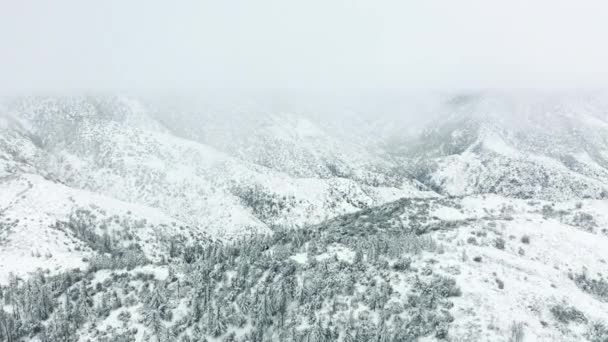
{"points": [[119, 222]]}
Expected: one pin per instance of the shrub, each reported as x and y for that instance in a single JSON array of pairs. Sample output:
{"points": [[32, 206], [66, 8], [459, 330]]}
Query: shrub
{"points": [[525, 239], [499, 243], [129, 260], [597, 332], [566, 314], [124, 317], [445, 286], [403, 264], [596, 287], [516, 332], [441, 331], [584, 220]]}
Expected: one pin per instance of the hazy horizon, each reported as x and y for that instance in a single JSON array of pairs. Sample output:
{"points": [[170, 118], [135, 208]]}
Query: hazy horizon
{"points": [[71, 46]]}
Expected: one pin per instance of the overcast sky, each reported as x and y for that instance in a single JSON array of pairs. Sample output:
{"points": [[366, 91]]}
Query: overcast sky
{"points": [[311, 44]]}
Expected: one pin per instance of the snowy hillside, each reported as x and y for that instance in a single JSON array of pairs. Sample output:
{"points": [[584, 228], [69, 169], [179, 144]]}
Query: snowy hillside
{"points": [[112, 149], [38, 218], [525, 147], [462, 269], [126, 220]]}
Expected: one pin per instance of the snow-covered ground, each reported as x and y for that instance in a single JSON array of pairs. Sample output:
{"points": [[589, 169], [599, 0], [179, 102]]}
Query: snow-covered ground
{"points": [[31, 207], [514, 216], [535, 275]]}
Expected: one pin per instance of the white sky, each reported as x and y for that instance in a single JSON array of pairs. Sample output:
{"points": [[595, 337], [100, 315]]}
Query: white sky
{"points": [[313, 44]]}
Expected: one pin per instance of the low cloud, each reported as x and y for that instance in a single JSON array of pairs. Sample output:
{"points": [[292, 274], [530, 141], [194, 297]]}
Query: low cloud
{"points": [[67, 46]]}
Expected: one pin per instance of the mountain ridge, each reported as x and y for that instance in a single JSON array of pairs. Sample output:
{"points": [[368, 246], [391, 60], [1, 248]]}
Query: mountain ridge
{"points": [[118, 224]]}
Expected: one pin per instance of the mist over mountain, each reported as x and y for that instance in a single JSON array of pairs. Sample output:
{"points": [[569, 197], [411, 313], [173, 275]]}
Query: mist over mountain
{"points": [[117, 186], [190, 217], [314, 171]]}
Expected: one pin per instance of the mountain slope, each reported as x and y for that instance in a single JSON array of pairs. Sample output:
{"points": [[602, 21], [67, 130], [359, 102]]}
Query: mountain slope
{"points": [[39, 221], [463, 269], [112, 147], [522, 147], [285, 228]]}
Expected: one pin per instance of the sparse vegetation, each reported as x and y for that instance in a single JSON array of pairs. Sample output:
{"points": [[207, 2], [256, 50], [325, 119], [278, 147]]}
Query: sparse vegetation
{"points": [[264, 204], [565, 314], [597, 332], [596, 287], [516, 332], [403, 264], [500, 283], [253, 286], [500, 243], [306, 226], [583, 220]]}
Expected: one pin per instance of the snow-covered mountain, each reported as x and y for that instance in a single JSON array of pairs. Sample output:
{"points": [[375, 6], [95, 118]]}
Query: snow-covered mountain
{"points": [[518, 146], [116, 148], [228, 172], [40, 220], [484, 220]]}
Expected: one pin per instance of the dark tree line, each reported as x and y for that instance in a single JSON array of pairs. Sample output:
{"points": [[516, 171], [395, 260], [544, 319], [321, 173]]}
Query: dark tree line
{"points": [[251, 289]]}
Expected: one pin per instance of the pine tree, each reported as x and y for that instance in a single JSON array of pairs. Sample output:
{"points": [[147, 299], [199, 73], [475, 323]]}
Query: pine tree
{"points": [[382, 333], [157, 298], [153, 321], [103, 309], [115, 302], [317, 333], [218, 325], [230, 338], [358, 257], [61, 330], [197, 333], [67, 306], [348, 336], [281, 302], [264, 311], [196, 308], [169, 335], [7, 327], [81, 311]]}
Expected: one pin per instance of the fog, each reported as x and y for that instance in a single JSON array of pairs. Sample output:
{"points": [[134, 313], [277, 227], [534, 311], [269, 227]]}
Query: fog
{"points": [[73, 46]]}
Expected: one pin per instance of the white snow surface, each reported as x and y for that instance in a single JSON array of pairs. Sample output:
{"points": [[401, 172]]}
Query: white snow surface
{"points": [[30, 206]]}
